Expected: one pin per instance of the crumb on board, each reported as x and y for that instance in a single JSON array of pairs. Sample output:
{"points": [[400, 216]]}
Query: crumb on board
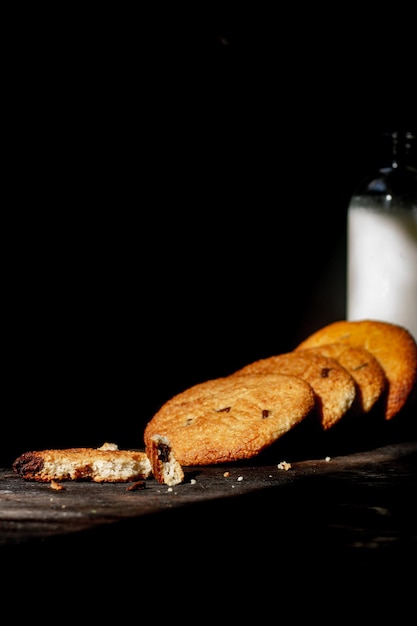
{"points": [[327, 459], [136, 486], [226, 474], [57, 486], [283, 465]]}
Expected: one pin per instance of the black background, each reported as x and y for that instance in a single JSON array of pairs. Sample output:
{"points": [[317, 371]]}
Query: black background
{"points": [[175, 195]]}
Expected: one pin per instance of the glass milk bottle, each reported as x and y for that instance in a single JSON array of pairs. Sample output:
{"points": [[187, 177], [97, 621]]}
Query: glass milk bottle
{"points": [[382, 240]]}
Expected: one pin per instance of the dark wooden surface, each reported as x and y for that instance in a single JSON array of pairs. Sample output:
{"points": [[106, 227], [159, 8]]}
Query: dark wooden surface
{"points": [[33, 511], [343, 526]]}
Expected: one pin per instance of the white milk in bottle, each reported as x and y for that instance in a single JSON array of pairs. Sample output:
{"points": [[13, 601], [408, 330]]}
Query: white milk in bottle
{"points": [[382, 241]]}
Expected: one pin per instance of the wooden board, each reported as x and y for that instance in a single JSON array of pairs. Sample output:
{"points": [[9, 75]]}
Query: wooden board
{"points": [[330, 526], [31, 511]]}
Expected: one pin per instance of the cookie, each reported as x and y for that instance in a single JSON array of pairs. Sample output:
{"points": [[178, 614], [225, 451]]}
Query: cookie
{"points": [[105, 464], [392, 345], [364, 368], [230, 418], [333, 386], [165, 466]]}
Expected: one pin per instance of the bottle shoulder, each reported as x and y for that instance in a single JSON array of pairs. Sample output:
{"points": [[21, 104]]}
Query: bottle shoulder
{"points": [[398, 185]]}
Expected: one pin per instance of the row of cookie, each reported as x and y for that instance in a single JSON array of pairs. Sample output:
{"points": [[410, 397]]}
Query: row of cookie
{"points": [[347, 367]]}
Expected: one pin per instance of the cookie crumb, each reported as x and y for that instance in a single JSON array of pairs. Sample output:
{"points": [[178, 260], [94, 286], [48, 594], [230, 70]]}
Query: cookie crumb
{"points": [[283, 465], [239, 478], [226, 474], [136, 486], [56, 486], [327, 459], [108, 446], [193, 481]]}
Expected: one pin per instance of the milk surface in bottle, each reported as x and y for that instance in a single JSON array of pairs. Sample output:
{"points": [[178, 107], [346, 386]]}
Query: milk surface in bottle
{"points": [[382, 240]]}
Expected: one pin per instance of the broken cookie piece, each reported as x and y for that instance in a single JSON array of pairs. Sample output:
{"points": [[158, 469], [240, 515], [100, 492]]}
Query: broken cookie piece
{"points": [[165, 468], [105, 464]]}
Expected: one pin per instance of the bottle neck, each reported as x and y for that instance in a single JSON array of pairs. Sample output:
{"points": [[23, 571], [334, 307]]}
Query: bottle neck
{"points": [[402, 149], [394, 185]]}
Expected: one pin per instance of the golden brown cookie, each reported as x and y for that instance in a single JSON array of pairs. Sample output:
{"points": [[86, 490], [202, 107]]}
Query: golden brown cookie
{"points": [[230, 418], [332, 384], [364, 368], [393, 346], [105, 464]]}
